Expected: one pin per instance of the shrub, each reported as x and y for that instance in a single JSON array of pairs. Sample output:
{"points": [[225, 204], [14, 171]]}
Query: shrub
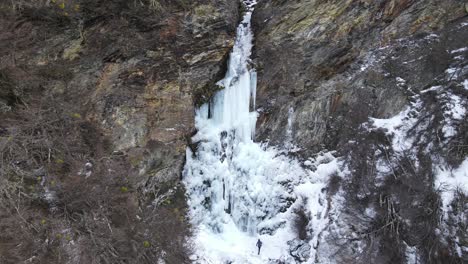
{"points": [[146, 244]]}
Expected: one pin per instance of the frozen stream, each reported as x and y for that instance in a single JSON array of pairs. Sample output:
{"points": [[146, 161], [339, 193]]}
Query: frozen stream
{"points": [[239, 190]]}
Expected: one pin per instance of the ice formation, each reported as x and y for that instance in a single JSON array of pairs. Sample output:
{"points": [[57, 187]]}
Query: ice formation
{"points": [[239, 190]]}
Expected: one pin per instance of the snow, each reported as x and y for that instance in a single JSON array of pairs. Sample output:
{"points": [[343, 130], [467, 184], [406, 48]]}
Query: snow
{"points": [[433, 88], [411, 255], [459, 50], [411, 126], [452, 73], [370, 212], [258, 186], [365, 66], [454, 112], [235, 245], [400, 80], [370, 60], [449, 181], [239, 190], [432, 37], [399, 125]]}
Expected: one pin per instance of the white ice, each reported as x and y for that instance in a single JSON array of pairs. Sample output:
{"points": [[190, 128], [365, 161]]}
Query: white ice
{"points": [[239, 190]]}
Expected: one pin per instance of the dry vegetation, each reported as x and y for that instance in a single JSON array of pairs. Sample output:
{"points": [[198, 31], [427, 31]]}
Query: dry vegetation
{"points": [[66, 198], [65, 195], [408, 205]]}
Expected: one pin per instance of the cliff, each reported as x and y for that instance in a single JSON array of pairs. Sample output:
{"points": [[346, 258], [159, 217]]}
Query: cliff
{"points": [[97, 102], [97, 110], [382, 85]]}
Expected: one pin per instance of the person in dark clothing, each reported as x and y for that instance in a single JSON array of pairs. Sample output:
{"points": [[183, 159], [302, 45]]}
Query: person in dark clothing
{"points": [[259, 245]]}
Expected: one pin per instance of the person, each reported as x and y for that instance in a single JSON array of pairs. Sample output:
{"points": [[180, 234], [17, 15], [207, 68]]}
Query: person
{"points": [[259, 245]]}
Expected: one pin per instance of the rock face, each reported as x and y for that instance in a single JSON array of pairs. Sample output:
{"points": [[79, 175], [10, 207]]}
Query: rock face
{"points": [[100, 96], [307, 50], [325, 69], [97, 103]]}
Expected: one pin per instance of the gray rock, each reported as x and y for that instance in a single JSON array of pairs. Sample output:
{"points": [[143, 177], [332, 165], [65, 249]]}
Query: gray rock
{"points": [[299, 249]]}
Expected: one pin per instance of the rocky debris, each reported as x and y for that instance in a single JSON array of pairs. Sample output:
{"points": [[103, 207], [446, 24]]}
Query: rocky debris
{"points": [[299, 249]]}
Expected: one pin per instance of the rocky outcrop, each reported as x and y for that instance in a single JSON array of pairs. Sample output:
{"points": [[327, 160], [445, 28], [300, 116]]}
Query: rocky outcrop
{"points": [[299, 250], [324, 69], [104, 91], [309, 52]]}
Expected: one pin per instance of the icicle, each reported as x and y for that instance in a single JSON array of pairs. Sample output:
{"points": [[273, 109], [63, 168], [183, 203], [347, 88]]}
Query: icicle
{"points": [[253, 88], [289, 133]]}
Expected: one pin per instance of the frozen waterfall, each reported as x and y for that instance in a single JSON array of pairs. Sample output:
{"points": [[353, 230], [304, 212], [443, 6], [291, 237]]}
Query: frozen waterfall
{"points": [[239, 190]]}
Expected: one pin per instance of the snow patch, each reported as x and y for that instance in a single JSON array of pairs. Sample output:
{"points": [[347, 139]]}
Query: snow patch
{"points": [[454, 112], [450, 181], [459, 50], [411, 255], [399, 125], [431, 37]]}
